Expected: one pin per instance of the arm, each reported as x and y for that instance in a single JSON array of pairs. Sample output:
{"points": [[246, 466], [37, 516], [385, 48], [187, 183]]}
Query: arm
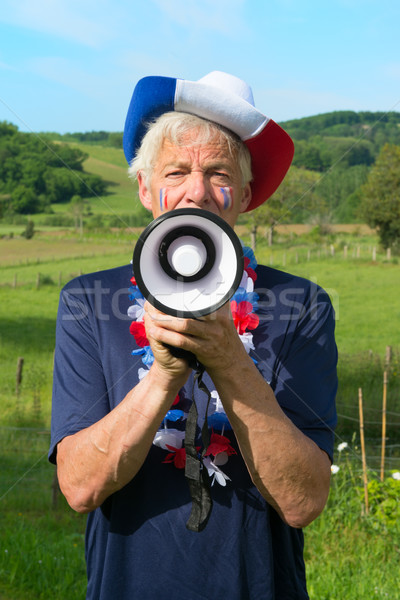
{"points": [[100, 459], [290, 471], [288, 468], [98, 450]]}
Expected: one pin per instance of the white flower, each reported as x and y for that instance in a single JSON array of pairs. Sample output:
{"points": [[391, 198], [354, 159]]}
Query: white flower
{"points": [[218, 404], [247, 341], [342, 446], [215, 472], [247, 283], [136, 311], [142, 373], [334, 469], [396, 475], [221, 459], [169, 437]]}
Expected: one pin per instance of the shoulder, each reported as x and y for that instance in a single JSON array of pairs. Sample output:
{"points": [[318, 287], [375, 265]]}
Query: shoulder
{"points": [[96, 293], [281, 289], [275, 278], [113, 278]]}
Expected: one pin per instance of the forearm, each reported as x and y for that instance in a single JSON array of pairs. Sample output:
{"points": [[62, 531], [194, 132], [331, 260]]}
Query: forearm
{"points": [[288, 468], [101, 459]]}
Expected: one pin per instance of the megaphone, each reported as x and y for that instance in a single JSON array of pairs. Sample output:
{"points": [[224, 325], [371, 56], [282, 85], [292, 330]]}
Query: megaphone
{"points": [[188, 262]]}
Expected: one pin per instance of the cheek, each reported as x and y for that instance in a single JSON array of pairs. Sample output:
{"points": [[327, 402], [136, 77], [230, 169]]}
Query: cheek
{"points": [[226, 197], [163, 199]]}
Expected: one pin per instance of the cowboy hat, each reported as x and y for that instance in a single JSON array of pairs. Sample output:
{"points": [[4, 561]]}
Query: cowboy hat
{"points": [[223, 99]]}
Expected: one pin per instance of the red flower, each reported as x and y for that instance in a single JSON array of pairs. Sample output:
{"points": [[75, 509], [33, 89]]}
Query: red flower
{"points": [[219, 443], [133, 281], [243, 316], [139, 333], [250, 272], [177, 456], [177, 399]]}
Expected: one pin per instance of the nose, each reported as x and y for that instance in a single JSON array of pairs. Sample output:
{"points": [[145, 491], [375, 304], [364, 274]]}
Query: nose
{"points": [[197, 190]]}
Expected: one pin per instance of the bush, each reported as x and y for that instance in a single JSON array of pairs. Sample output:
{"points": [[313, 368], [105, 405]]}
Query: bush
{"points": [[58, 220], [29, 230]]}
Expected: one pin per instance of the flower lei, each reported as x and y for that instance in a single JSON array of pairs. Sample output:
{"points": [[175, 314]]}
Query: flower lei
{"points": [[243, 307]]}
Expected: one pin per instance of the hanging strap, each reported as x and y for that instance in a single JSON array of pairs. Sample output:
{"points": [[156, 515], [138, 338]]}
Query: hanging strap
{"points": [[195, 472]]}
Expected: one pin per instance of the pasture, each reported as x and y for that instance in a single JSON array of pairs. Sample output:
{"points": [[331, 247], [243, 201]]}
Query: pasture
{"points": [[350, 554]]}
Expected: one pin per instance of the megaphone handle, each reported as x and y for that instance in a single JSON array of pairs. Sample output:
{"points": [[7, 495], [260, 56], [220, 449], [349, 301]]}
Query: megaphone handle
{"points": [[180, 353]]}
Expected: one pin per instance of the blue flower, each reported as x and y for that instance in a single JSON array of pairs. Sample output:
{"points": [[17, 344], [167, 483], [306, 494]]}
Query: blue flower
{"points": [[218, 421], [174, 415], [134, 293], [248, 252], [148, 356], [241, 295]]}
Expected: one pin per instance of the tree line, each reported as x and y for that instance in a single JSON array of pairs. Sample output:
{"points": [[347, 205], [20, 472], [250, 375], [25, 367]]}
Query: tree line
{"points": [[346, 169], [35, 173]]}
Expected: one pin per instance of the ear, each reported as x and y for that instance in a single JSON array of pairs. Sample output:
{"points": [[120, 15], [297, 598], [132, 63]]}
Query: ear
{"points": [[246, 197], [144, 191]]}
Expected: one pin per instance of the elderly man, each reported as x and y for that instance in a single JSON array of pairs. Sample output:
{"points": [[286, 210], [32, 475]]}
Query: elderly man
{"points": [[121, 401]]}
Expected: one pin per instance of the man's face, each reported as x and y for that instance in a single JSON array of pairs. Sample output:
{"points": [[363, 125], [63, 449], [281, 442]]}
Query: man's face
{"points": [[203, 176]]}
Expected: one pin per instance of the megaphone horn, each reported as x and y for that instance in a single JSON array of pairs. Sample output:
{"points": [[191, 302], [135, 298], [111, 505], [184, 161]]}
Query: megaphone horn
{"points": [[188, 262]]}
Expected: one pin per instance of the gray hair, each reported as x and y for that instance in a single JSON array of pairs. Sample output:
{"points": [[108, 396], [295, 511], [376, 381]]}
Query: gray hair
{"points": [[174, 126]]}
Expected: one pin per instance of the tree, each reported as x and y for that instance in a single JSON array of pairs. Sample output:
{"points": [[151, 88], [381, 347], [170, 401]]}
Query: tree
{"points": [[24, 200], [294, 195], [34, 174], [380, 204], [77, 208], [29, 230]]}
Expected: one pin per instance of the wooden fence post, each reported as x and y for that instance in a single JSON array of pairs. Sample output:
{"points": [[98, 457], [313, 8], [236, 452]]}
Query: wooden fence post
{"points": [[364, 460], [18, 377], [383, 425], [388, 356], [253, 237]]}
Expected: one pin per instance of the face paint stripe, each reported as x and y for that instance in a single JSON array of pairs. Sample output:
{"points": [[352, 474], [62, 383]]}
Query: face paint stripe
{"points": [[227, 193], [163, 199]]}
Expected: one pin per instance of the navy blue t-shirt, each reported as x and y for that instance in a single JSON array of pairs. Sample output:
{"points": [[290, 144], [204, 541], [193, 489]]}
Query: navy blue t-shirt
{"points": [[137, 543]]}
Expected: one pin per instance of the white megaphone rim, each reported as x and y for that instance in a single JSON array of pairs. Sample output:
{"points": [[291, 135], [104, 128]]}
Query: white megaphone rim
{"points": [[185, 298]]}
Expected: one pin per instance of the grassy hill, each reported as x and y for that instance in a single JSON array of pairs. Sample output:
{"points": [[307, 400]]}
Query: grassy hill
{"points": [[110, 164], [335, 150]]}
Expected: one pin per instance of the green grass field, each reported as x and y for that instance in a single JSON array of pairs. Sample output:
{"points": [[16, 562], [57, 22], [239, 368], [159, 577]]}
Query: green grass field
{"points": [[41, 543], [349, 555]]}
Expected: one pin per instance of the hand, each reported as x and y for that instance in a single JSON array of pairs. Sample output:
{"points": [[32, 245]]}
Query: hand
{"points": [[154, 321], [213, 338]]}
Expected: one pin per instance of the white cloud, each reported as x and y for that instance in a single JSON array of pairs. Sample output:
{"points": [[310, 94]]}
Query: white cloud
{"points": [[63, 18]]}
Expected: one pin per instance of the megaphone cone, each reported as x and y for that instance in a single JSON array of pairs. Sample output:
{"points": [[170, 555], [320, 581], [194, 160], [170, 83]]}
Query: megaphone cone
{"points": [[188, 262]]}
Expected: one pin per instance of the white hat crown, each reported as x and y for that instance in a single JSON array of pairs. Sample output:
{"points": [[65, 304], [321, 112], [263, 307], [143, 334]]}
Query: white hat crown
{"points": [[229, 83]]}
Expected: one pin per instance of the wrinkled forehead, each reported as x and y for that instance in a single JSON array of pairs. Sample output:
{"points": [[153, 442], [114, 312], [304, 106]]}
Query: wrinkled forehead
{"points": [[193, 149], [208, 140]]}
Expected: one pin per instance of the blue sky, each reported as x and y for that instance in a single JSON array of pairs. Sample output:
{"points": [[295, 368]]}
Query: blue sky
{"points": [[71, 65]]}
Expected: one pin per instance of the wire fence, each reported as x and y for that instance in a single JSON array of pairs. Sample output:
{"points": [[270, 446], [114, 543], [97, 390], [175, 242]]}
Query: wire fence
{"points": [[29, 480]]}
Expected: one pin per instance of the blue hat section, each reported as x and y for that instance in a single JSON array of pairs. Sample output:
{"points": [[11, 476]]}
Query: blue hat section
{"points": [[152, 97]]}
